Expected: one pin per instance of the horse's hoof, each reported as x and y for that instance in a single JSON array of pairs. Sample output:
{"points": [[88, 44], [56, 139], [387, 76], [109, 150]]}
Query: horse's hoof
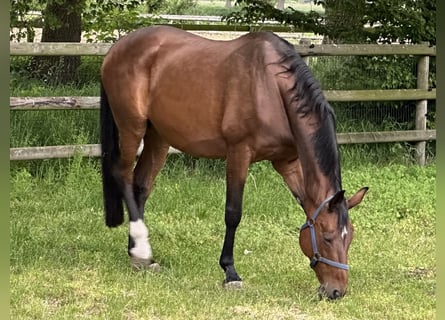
{"points": [[139, 264], [233, 285], [154, 267]]}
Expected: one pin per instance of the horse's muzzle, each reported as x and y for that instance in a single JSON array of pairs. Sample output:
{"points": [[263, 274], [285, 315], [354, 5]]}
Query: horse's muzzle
{"points": [[330, 293]]}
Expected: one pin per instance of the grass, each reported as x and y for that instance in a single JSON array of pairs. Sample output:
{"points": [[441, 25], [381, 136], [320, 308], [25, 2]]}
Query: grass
{"points": [[66, 264]]}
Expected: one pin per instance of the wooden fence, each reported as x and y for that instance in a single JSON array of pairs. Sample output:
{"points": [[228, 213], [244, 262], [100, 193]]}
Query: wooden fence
{"points": [[422, 94]]}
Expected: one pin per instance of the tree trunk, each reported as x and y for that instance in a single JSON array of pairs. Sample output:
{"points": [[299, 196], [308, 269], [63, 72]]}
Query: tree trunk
{"points": [[344, 21], [280, 4], [228, 4], [63, 23]]}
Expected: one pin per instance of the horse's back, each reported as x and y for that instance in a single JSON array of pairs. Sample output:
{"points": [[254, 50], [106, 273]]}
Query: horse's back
{"points": [[200, 94]]}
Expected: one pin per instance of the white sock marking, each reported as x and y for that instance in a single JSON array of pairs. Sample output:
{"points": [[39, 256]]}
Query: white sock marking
{"points": [[139, 234], [344, 232]]}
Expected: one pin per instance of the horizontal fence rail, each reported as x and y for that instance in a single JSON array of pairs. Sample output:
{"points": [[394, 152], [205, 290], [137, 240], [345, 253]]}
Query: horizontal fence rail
{"points": [[94, 150], [57, 152], [54, 103], [100, 49], [421, 94]]}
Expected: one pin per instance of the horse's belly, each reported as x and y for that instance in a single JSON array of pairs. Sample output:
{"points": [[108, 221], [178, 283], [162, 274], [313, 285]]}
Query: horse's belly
{"points": [[211, 148], [195, 140]]}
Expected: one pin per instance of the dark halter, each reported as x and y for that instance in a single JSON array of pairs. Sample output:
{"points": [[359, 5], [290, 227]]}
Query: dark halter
{"points": [[317, 257]]}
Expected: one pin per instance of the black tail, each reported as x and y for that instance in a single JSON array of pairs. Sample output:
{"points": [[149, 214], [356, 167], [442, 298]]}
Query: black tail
{"points": [[109, 139]]}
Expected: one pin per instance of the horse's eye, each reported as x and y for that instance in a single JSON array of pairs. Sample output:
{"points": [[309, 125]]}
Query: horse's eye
{"points": [[328, 237]]}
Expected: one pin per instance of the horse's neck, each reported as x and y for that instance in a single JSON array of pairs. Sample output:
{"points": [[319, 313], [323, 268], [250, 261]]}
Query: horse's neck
{"points": [[317, 185], [310, 116]]}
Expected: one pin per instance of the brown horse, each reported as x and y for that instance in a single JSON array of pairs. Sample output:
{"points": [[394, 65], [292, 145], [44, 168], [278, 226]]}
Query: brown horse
{"points": [[245, 100]]}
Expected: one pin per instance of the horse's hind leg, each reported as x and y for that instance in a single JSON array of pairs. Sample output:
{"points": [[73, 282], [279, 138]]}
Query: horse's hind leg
{"points": [[130, 136], [150, 162]]}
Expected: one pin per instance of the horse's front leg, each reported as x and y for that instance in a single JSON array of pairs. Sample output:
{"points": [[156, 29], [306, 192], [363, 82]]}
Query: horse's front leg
{"points": [[236, 173]]}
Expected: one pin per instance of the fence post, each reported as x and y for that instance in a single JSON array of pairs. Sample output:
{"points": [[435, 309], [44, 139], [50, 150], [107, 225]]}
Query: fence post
{"points": [[421, 106], [305, 42]]}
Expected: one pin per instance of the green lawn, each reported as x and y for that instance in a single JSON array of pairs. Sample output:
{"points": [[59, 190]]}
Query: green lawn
{"points": [[65, 264]]}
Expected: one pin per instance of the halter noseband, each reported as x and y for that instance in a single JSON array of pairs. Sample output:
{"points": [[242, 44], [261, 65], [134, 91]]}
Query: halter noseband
{"points": [[317, 257]]}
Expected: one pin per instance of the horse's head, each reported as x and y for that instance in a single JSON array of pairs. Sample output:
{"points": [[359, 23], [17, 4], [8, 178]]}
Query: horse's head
{"points": [[325, 239]]}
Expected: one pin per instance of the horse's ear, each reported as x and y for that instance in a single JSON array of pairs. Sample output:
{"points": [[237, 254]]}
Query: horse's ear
{"points": [[357, 197], [336, 200]]}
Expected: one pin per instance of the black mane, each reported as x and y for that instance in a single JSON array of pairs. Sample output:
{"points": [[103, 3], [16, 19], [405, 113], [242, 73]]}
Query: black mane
{"points": [[307, 91]]}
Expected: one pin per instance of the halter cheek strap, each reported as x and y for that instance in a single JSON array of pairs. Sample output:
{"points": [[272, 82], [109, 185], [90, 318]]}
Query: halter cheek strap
{"points": [[310, 223]]}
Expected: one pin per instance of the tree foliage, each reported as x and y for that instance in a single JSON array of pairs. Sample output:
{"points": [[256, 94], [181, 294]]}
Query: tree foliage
{"points": [[102, 20], [409, 21], [107, 20], [20, 22]]}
